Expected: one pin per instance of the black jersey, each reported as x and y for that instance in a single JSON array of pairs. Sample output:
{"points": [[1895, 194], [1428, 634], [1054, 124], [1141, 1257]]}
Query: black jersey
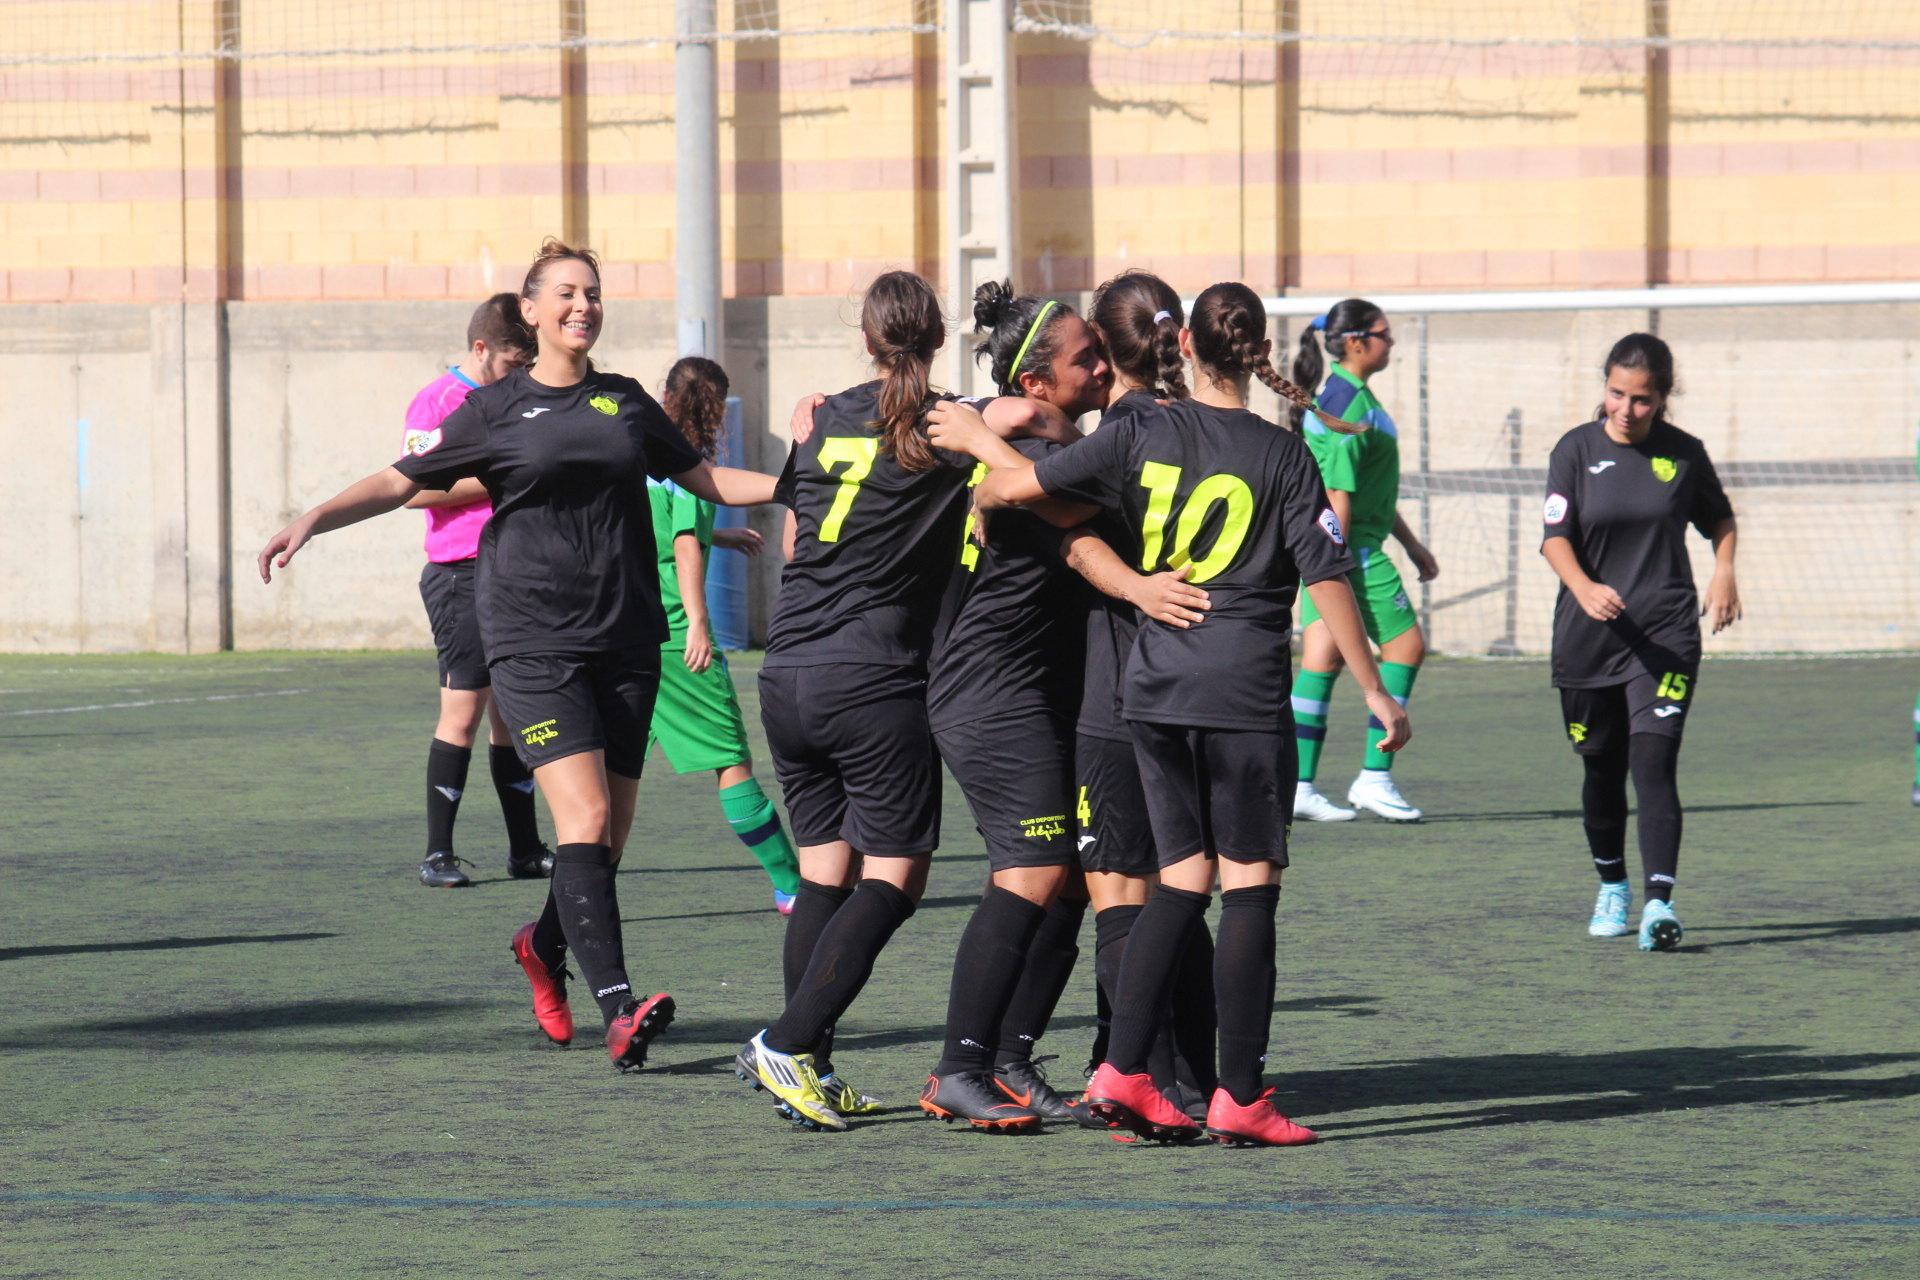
{"points": [[1626, 508], [567, 561], [1111, 623], [1016, 625], [1241, 501], [874, 543]]}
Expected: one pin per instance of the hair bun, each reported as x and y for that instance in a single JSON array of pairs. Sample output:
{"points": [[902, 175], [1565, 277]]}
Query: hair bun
{"points": [[992, 303]]}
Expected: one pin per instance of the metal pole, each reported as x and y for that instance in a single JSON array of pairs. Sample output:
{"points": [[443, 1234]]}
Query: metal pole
{"points": [[1509, 644], [696, 156], [1426, 469]]}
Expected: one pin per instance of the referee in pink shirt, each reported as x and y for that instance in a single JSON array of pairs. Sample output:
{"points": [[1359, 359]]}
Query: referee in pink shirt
{"points": [[497, 342]]}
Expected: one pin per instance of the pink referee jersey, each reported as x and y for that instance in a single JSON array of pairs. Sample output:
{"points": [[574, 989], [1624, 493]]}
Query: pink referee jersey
{"points": [[453, 533]]}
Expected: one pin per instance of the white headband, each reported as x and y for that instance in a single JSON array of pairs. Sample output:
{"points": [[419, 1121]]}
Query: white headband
{"points": [[1158, 316]]}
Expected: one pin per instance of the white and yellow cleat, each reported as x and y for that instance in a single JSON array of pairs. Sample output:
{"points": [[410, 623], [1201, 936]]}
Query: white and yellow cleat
{"points": [[847, 1100], [789, 1077]]}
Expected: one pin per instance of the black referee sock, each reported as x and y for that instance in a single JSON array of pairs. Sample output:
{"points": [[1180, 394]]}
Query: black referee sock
{"points": [[1603, 811], [1146, 974], [1110, 930], [841, 964], [1050, 959], [514, 785], [813, 905], [1656, 763], [446, 781], [1243, 981], [549, 939], [1194, 1023], [986, 969], [590, 917]]}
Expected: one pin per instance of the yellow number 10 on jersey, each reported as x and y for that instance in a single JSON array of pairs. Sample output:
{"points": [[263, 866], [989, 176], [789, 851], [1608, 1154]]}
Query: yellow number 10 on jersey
{"points": [[1162, 482], [858, 453]]}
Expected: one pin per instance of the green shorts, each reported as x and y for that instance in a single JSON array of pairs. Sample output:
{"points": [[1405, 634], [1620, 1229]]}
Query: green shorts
{"points": [[696, 718], [1382, 598]]}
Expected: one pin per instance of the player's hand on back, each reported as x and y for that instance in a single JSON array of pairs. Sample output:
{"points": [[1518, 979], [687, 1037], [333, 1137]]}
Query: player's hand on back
{"points": [[801, 424], [1599, 601], [1393, 716], [1169, 598], [957, 427]]}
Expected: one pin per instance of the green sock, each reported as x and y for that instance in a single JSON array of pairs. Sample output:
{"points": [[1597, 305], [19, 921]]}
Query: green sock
{"points": [[752, 817], [1397, 678], [1311, 692]]}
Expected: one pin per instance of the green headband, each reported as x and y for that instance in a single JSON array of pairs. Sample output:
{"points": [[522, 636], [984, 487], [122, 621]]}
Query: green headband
{"points": [[1033, 331]]}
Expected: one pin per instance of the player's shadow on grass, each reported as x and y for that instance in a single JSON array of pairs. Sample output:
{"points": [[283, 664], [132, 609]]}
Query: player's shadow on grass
{"points": [[1559, 815], [293, 1016], [1805, 931], [154, 944], [1574, 1088], [926, 904]]}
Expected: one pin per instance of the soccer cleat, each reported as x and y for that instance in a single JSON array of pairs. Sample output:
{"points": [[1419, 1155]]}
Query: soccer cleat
{"points": [[977, 1098], [789, 1077], [442, 871], [1659, 927], [1189, 1100], [1610, 911], [1025, 1083], [549, 989], [783, 902], [1916, 794], [1132, 1102], [845, 1099], [537, 866], [1259, 1124], [1374, 791], [634, 1027], [1311, 806]]}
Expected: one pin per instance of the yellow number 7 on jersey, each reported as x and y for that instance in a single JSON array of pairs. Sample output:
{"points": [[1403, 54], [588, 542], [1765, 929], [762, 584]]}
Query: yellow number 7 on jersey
{"points": [[858, 453]]}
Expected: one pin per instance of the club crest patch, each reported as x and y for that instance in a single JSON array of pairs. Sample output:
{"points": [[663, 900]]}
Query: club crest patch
{"points": [[1556, 508], [1664, 470], [1331, 524], [605, 404], [419, 442]]}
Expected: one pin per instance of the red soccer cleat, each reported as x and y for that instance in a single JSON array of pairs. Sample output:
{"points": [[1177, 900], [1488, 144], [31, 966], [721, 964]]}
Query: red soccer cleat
{"points": [[1259, 1124], [1132, 1102], [549, 990], [637, 1024]]}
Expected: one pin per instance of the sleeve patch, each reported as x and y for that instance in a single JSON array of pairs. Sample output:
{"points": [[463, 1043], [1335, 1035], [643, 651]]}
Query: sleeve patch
{"points": [[1556, 508], [1330, 525], [422, 442]]}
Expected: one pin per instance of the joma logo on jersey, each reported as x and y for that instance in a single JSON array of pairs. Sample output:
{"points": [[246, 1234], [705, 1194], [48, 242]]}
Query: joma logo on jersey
{"points": [[1664, 471], [1578, 732], [605, 404], [539, 734], [1049, 828]]}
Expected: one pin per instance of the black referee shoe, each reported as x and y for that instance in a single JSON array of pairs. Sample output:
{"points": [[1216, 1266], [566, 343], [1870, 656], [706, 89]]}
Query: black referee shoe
{"points": [[442, 871], [1025, 1083], [535, 866]]}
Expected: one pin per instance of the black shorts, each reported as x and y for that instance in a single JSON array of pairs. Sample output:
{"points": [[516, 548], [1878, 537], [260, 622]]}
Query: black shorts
{"points": [[854, 755], [1116, 835], [447, 590], [1599, 721], [1228, 792], [1016, 771], [560, 704]]}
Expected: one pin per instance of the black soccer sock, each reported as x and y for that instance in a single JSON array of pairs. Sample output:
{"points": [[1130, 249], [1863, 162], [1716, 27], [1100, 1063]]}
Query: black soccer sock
{"points": [[590, 916], [549, 939], [1243, 982], [1603, 810], [1194, 1023], [1110, 930], [1050, 959], [813, 905], [841, 964], [446, 780], [986, 969], [1146, 974], [514, 785], [1656, 762]]}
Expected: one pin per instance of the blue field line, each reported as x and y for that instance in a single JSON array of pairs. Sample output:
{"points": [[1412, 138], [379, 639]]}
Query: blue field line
{"points": [[282, 1200]]}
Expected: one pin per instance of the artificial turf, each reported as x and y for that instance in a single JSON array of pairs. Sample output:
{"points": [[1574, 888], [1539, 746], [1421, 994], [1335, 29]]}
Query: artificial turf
{"points": [[238, 1038]]}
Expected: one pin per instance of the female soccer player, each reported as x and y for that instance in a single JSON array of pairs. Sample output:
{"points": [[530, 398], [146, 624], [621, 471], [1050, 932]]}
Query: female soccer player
{"points": [[569, 607], [1362, 475], [1621, 491], [1205, 483], [696, 718], [497, 342]]}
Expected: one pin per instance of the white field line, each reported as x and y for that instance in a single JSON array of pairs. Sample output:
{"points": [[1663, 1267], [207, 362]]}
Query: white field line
{"points": [[156, 702]]}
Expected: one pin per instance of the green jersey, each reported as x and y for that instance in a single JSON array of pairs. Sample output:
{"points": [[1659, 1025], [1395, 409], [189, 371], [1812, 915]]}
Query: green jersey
{"points": [[1366, 465], [676, 513]]}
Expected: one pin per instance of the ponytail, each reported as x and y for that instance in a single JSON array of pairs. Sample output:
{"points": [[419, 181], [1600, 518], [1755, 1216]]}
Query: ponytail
{"points": [[695, 398], [1138, 316], [1229, 324], [903, 326], [1341, 321], [1308, 368]]}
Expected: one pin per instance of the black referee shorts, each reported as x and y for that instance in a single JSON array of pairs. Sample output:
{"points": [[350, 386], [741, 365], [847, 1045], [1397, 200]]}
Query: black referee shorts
{"points": [[1599, 721], [854, 756], [447, 591], [1116, 835], [560, 704], [1227, 792], [1016, 771]]}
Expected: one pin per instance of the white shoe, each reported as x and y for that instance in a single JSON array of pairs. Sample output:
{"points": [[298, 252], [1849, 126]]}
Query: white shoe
{"points": [[1610, 911], [1374, 791], [1314, 807]]}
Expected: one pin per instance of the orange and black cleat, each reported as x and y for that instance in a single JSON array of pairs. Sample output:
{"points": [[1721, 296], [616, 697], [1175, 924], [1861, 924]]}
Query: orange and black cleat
{"points": [[1132, 1102], [1258, 1124], [973, 1096], [634, 1027], [549, 989]]}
